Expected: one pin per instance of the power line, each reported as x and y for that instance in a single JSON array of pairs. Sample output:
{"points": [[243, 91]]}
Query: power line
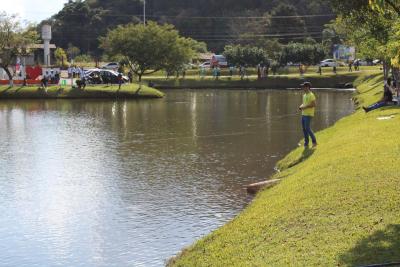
{"points": [[249, 17], [234, 35], [205, 17], [228, 38]]}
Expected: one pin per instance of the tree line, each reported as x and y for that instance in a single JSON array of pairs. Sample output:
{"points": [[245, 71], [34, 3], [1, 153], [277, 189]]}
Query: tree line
{"points": [[217, 23], [145, 49], [373, 27]]}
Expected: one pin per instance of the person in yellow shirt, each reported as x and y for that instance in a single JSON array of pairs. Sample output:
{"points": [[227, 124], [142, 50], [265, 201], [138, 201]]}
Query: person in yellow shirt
{"points": [[308, 112]]}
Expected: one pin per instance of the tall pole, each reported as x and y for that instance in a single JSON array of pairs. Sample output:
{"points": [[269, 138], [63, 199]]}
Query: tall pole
{"points": [[46, 36], [144, 12]]}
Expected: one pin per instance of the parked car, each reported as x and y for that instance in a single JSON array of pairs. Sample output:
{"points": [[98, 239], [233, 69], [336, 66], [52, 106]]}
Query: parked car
{"points": [[100, 76], [219, 60], [328, 63], [205, 65], [362, 62], [291, 64], [377, 62], [111, 66]]}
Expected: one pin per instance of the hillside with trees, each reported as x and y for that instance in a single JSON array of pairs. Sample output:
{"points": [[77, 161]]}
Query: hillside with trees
{"points": [[217, 23]]}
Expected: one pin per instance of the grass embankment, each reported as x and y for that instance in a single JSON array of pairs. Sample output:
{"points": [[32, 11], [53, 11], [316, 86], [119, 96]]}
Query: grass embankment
{"points": [[338, 205], [97, 91], [290, 80]]}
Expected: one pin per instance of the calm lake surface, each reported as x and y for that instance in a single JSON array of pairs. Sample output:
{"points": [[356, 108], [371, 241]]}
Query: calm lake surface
{"points": [[130, 183]]}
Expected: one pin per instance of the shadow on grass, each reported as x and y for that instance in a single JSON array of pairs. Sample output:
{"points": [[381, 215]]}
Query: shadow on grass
{"points": [[391, 107], [6, 90], [307, 152], [380, 248], [19, 89], [374, 76]]}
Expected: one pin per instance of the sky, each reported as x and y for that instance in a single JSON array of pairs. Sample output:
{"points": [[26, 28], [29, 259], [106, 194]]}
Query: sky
{"points": [[32, 10]]}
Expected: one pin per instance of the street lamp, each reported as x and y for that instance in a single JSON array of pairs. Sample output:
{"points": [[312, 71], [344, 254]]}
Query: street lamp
{"points": [[144, 12]]}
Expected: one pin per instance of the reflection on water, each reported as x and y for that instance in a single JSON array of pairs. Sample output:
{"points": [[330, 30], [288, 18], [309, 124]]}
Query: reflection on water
{"points": [[128, 183]]}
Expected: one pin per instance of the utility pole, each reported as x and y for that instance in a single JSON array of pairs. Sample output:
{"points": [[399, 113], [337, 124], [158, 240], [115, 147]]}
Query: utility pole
{"points": [[144, 12]]}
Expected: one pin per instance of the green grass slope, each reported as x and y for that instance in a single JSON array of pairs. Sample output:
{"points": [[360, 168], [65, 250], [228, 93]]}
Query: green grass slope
{"points": [[91, 91], [338, 205]]}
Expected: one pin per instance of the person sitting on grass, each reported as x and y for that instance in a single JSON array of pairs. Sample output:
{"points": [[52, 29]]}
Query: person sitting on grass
{"points": [[387, 99], [397, 90]]}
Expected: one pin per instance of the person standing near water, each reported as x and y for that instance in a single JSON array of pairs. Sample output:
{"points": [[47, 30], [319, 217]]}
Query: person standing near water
{"points": [[350, 66], [307, 114], [120, 81]]}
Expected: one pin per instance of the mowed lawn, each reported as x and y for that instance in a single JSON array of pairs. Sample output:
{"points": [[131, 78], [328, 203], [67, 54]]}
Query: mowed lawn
{"points": [[328, 79], [337, 205]]}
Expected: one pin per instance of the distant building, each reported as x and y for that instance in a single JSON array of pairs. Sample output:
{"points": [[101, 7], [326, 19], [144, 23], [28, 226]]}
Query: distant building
{"points": [[203, 57], [343, 52]]}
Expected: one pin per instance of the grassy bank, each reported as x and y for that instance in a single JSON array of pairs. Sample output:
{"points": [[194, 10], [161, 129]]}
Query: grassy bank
{"points": [[338, 205], [326, 80], [97, 91], [292, 70]]}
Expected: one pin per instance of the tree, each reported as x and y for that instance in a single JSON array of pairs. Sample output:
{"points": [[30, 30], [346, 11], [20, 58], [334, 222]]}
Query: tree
{"points": [[330, 38], [14, 42], [61, 56], [272, 48], [84, 58], [218, 23], [188, 47], [366, 28], [381, 5], [73, 51], [245, 55], [308, 54], [285, 23], [149, 48]]}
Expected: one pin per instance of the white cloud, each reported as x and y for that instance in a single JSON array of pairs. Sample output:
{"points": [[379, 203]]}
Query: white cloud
{"points": [[33, 11], [13, 7]]}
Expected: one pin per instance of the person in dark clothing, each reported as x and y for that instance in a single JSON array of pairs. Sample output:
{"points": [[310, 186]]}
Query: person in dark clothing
{"points": [[57, 77], [44, 82], [83, 83], [130, 76], [350, 66], [231, 68], [120, 81], [387, 99], [357, 65]]}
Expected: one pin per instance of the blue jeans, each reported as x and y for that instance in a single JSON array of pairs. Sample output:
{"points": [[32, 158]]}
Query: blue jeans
{"points": [[306, 123], [376, 106]]}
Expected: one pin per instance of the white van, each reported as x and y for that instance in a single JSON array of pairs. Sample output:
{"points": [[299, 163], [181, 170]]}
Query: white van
{"points": [[219, 60]]}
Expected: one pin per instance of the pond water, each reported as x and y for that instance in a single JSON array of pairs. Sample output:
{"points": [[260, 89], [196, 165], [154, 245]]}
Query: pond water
{"points": [[130, 183]]}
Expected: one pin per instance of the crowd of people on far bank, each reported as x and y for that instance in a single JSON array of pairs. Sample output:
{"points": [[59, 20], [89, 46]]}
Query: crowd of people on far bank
{"points": [[262, 70], [52, 77], [75, 72], [242, 71]]}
